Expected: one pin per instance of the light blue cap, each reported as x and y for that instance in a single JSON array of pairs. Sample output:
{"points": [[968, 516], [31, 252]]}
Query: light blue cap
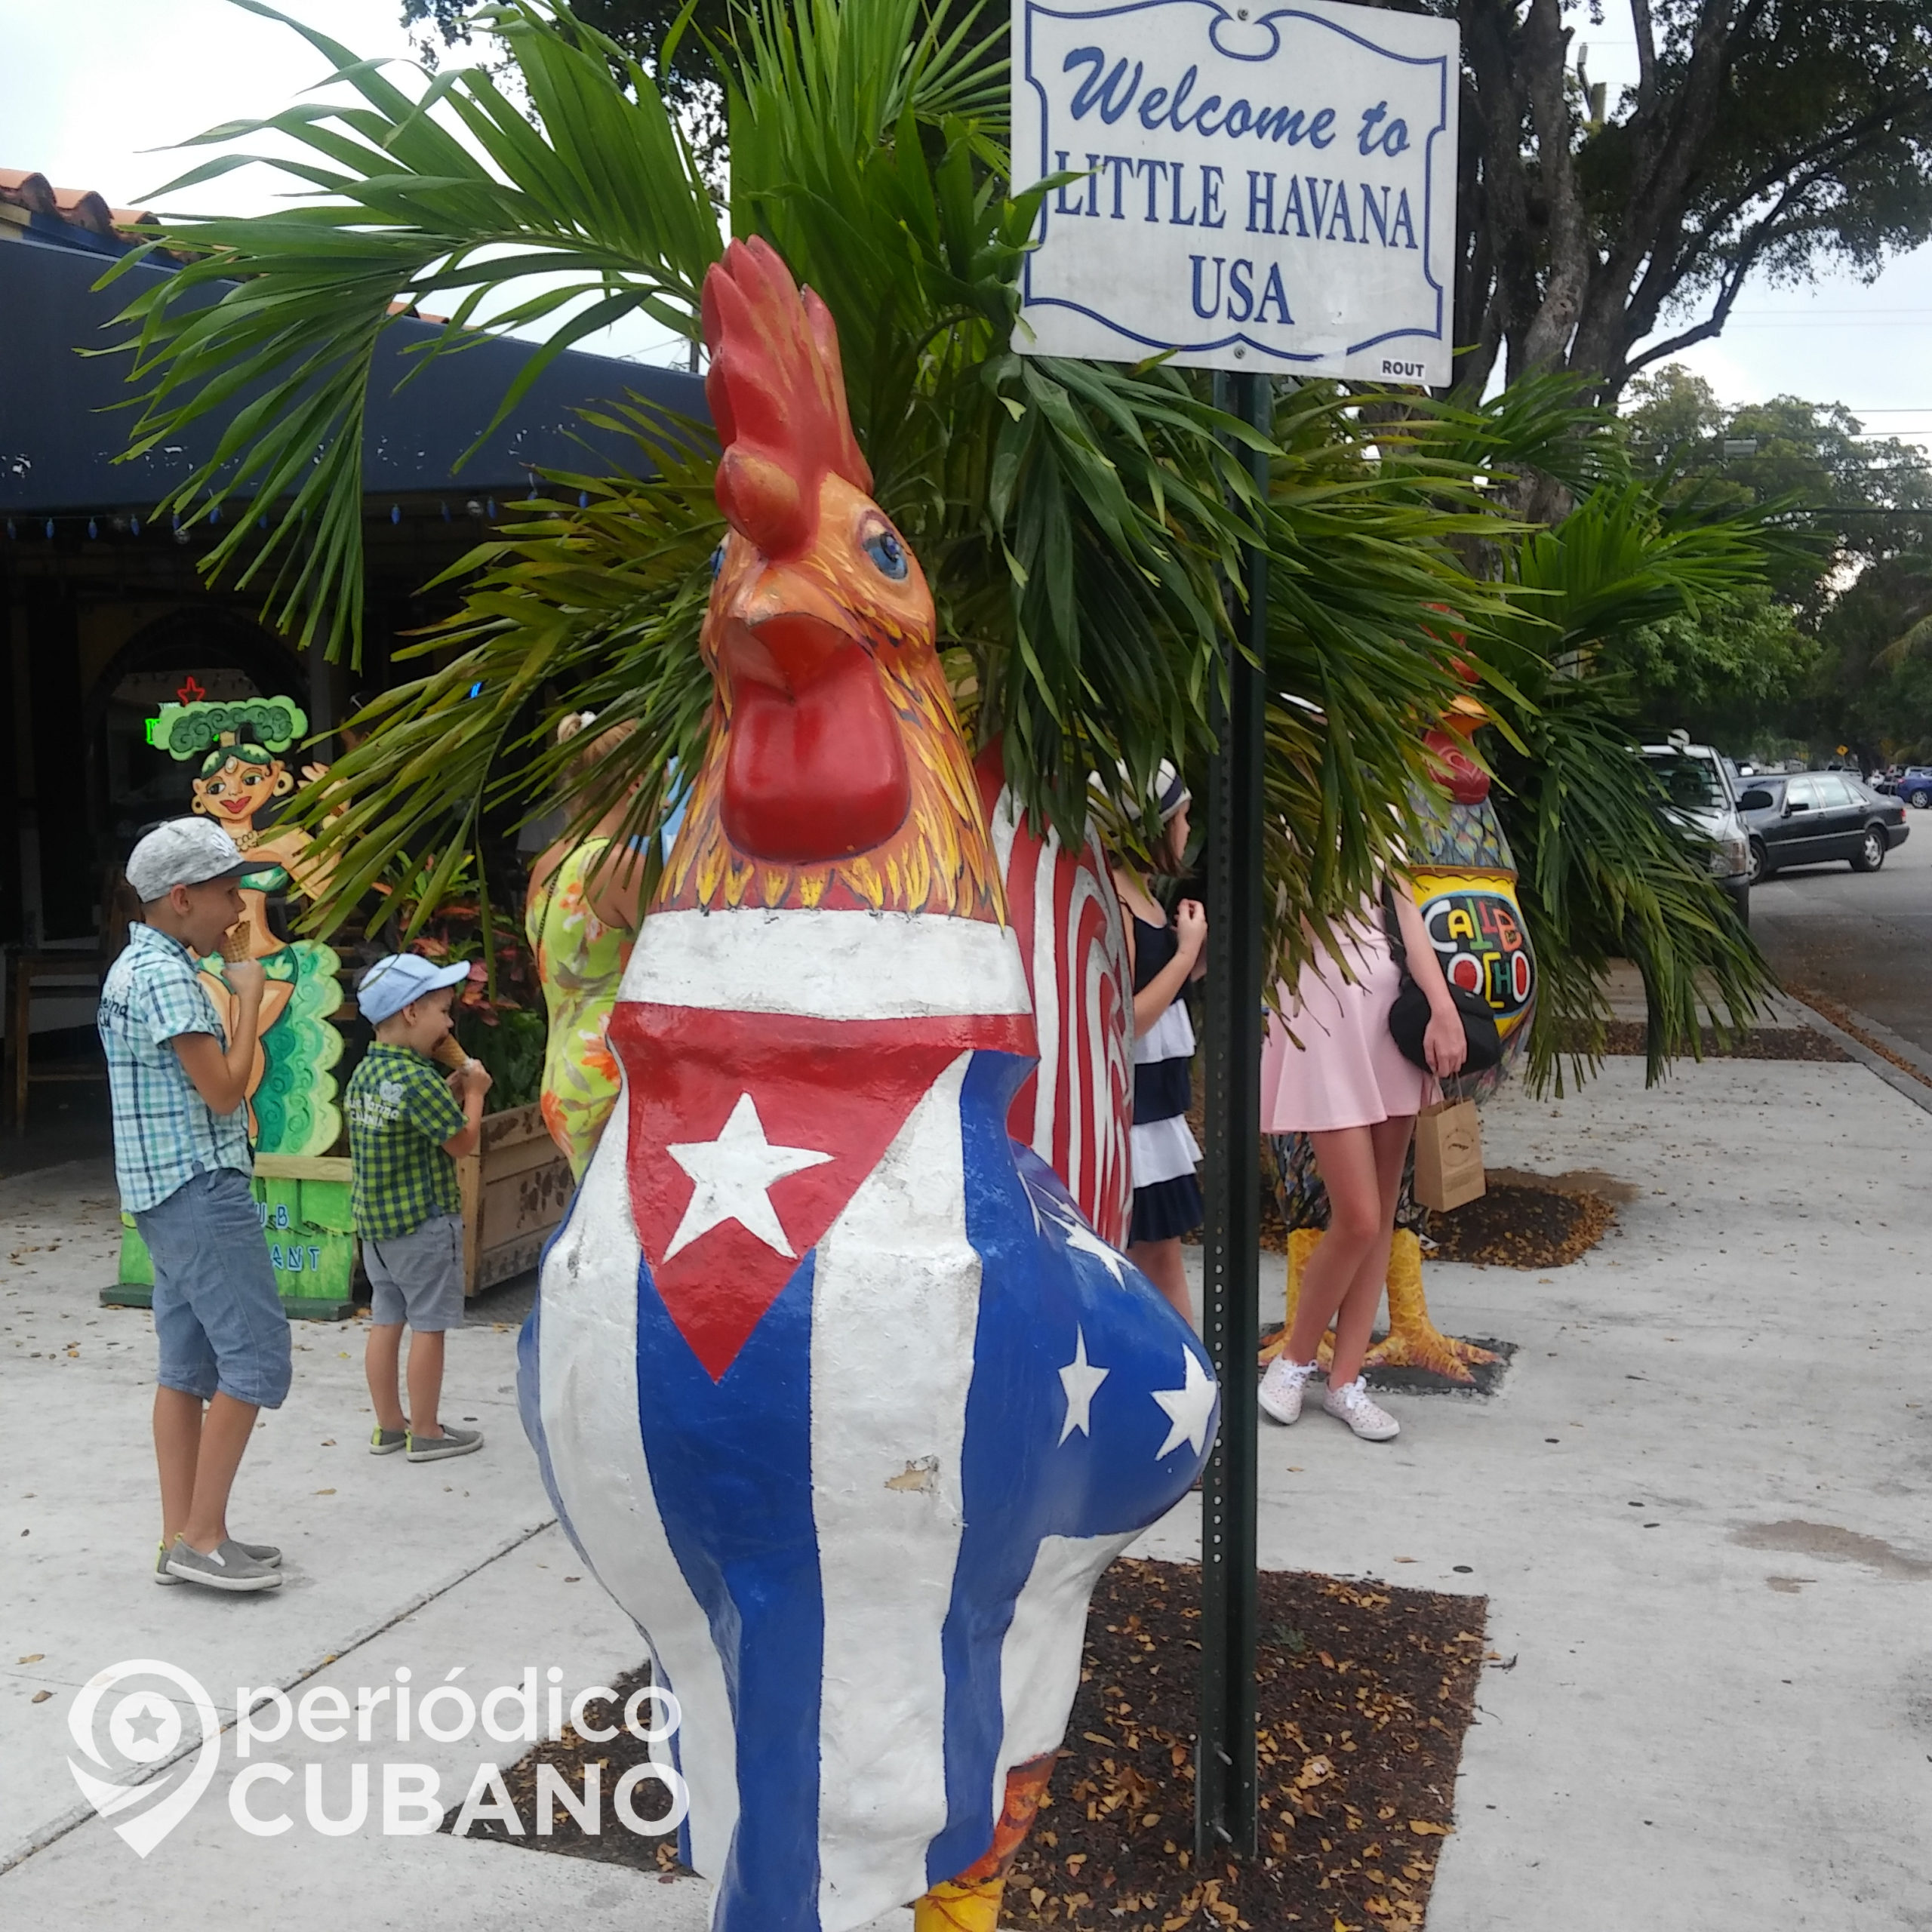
{"points": [[397, 978]]}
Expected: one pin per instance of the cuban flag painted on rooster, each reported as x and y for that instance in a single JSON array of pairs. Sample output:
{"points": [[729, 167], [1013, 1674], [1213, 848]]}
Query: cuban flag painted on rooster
{"points": [[833, 1386]]}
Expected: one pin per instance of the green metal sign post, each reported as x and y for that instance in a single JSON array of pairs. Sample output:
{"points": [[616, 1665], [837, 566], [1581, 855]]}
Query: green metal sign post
{"points": [[1224, 1777]]}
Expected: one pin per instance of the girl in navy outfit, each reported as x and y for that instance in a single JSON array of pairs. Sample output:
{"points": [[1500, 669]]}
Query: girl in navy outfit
{"points": [[1166, 955]]}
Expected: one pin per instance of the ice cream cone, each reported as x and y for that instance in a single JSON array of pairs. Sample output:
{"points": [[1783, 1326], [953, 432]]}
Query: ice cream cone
{"points": [[236, 942], [448, 1053]]}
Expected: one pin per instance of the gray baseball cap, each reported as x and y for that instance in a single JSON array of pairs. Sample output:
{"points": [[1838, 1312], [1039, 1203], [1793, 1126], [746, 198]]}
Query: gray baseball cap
{"points": [[184, 851]]}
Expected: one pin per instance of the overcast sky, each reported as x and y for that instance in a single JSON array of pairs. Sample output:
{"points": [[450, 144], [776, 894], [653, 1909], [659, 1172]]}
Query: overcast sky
{"points": [[88, 89]]}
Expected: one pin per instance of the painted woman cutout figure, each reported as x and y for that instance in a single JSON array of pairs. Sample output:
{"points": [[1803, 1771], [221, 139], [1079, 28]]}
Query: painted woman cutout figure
{"points": [[242, 773]]}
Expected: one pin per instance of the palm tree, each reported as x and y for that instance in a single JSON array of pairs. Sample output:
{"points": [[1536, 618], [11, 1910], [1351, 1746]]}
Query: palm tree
{"points": [[1080, 522]]}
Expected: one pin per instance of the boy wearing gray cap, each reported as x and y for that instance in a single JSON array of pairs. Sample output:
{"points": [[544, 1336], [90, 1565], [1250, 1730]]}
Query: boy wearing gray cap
{"points": [[408, 1127], [183, 1161]]}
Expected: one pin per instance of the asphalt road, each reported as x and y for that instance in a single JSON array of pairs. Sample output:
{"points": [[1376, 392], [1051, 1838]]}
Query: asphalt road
{"points": [[1865, 940]]}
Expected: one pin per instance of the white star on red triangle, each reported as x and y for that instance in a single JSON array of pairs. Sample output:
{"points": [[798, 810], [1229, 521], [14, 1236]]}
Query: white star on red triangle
{"points": [[732, 1178]]}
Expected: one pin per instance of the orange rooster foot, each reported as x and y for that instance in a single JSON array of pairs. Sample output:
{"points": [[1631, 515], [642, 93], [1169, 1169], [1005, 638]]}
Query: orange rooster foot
{"points": [[1427, 1348], [1414, 1340]]}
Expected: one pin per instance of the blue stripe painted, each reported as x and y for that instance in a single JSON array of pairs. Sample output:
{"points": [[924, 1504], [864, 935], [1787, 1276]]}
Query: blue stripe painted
{"points": [[731, 1467], [1020, 1482]]}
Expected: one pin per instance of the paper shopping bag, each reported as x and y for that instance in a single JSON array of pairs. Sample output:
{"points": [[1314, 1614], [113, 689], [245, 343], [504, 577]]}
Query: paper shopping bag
{"points": [[1449, 1154]]}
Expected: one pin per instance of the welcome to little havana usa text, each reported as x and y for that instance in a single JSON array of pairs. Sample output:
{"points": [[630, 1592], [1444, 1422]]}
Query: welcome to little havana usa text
{"points": [[1307, 207]]}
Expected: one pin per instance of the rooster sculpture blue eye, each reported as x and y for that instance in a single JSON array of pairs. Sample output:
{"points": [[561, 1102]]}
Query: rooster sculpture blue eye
{"points": [[885, 550], [717, 560]]}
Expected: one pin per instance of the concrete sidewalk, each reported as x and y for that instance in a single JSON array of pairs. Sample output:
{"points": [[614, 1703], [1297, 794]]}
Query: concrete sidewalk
{"points": [[1720, 1711]]}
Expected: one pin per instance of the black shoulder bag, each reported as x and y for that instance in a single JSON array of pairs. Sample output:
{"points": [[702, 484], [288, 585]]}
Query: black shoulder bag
{"points": [[1409, 1017]]}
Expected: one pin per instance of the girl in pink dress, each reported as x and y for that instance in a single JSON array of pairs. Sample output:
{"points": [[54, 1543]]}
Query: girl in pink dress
{"points": [[1343, 1081]]}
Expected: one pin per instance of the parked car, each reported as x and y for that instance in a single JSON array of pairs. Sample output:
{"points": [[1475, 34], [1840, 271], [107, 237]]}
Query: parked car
{"points": [[1697, 795], [1810, 818], [1914, 785]]}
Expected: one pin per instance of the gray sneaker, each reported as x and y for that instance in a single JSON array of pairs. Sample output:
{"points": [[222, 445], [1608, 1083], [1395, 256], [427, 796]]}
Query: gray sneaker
{"points": [[262, 1552], [451, 1442], [386, 1442], [230, 1567]]}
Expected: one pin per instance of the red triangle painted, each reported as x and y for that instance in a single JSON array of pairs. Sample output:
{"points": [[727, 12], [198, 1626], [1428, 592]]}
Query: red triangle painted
{"points": [[843, 1087]]}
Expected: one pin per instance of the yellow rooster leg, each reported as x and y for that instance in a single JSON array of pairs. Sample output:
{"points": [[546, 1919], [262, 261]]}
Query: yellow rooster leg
{"points": [[1301, 1244], [970, 1903], [1414, 1340], [956, 1906]]}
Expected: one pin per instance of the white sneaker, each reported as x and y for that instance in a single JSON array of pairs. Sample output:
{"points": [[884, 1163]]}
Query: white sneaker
{"points": [[1280, 1394], [1350, 1404]]}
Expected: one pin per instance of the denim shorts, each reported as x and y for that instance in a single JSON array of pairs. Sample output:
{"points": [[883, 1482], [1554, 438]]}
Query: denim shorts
{"points": [[217, 1318], [417, 1278]]}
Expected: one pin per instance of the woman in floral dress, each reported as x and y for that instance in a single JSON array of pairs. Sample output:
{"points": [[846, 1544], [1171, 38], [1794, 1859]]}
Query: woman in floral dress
{"points": [[581, 919]]}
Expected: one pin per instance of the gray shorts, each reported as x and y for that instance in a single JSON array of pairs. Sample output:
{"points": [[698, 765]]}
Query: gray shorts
{"points": [[217, 1316], [418, 1278]]}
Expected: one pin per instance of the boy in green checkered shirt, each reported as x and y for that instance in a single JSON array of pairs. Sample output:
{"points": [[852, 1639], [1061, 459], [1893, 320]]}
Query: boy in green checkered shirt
{"points": [[409, 1122]]}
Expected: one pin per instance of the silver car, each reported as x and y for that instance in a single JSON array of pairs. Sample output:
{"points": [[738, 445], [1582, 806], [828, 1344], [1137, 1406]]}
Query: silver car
{"points": [[1700, 797]]}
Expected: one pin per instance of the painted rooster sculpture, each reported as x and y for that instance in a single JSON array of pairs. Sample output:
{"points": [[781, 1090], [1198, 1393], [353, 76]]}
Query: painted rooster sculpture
{"points": [[834, 1389]]}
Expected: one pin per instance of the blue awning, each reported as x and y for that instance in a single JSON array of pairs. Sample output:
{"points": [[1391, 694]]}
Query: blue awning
{"points": [[60, 430]]}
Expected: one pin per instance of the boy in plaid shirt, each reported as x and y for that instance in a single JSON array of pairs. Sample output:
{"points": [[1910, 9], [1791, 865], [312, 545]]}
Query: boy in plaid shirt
{"points": [[183, 1163], [406, 1123]]}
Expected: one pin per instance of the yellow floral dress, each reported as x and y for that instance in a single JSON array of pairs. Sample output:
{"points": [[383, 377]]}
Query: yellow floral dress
{"points": [[581, 963]]}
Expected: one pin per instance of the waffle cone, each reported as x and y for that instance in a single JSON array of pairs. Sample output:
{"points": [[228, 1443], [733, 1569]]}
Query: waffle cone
{"points": [[448, 1053], [237, 940]]}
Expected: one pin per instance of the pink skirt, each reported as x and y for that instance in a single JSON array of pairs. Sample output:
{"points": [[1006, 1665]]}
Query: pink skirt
{"points": [[1345, 1071]]}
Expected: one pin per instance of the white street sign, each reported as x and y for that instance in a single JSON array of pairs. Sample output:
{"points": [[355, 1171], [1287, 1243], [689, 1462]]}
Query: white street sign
{"points": [[1270, 190]]}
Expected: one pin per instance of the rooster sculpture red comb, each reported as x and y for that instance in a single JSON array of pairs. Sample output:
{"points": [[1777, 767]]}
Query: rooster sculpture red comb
{"points": [[776, 389]]}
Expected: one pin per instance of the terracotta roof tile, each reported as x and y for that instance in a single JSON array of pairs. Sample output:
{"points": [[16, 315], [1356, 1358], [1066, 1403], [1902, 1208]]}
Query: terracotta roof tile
{"points": [[78, 207]]}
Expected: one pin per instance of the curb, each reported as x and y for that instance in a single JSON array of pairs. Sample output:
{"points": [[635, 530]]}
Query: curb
{"points": [[1918, 1092]]}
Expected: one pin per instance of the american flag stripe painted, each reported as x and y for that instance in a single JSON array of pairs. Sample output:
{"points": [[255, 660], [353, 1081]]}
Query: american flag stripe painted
{"points": [[1076, 1111]]}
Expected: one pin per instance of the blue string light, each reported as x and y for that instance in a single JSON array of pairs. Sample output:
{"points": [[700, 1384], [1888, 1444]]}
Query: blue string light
{"points": [[490, 506], [11, 532], [396, 513], [134, 525], [446, 512], [49, 529], [93, 528], [583, 500]]}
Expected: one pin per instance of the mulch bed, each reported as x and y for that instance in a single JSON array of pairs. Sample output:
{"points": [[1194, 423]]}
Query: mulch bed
{"points": [[1365, 1690], [570, 1753], [1624, 1038], [1514, 1227]]}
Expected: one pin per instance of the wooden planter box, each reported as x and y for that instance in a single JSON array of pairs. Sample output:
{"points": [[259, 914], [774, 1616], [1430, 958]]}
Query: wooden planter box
{"points": [[516, 1190]]}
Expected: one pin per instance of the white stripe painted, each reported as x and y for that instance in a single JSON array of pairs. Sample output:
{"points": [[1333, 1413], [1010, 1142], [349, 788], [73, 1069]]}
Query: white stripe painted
{"points": [[895, 1307], [1039, 1661], [588, 1363], [827, 965]]}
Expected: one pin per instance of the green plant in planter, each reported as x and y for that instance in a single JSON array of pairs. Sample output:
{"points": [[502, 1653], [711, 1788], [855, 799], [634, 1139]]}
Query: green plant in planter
{"points": [[510, 1041]]}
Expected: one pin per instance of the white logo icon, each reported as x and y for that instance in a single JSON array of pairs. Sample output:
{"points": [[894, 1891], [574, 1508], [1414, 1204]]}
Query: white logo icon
{"points": [[143, 1728]]}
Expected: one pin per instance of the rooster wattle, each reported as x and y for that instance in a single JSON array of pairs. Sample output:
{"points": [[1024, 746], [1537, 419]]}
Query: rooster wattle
{"points": [[833, 1387]]}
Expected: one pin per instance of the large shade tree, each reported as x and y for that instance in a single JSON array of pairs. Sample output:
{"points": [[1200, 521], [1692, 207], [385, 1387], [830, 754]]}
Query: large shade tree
{"points": [[1080, 522]]}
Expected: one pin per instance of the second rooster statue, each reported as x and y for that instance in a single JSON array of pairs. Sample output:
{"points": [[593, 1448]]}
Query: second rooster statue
{"points": [[833, 1388]]}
